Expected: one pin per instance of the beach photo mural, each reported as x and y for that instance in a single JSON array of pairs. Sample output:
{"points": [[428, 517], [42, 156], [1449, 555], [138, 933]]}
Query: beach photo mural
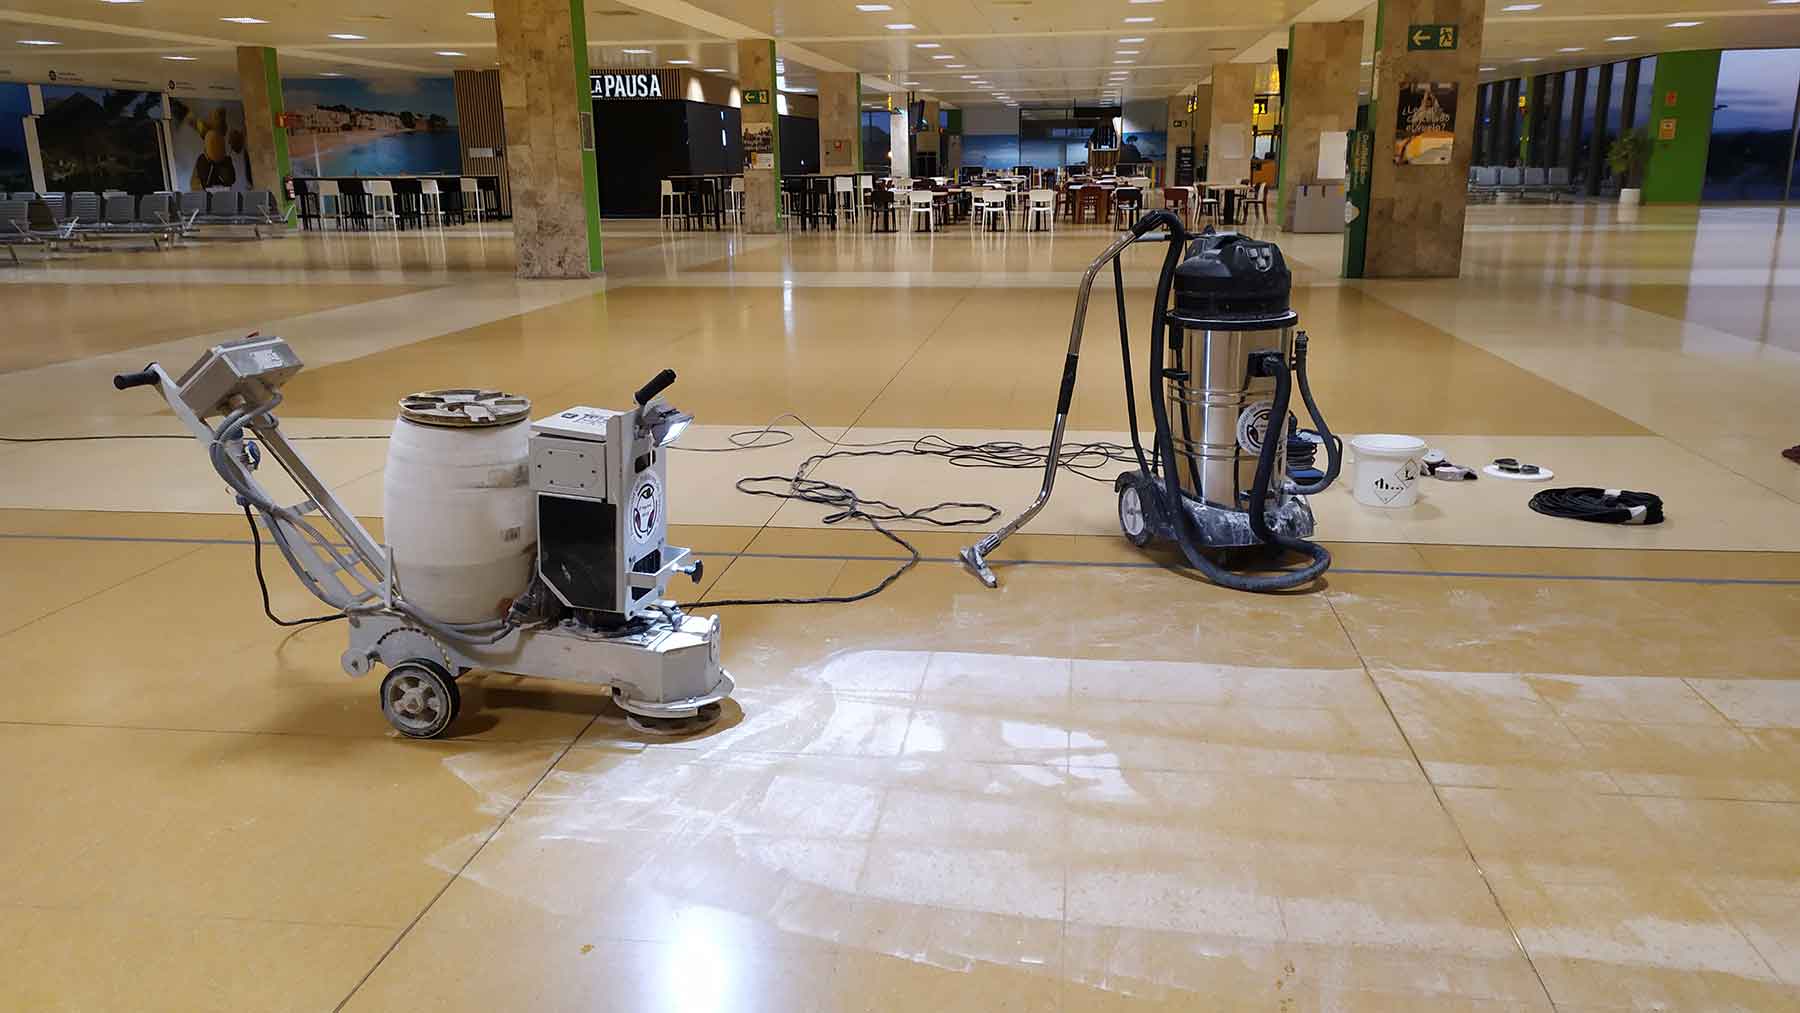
{"points": [[382, 127]]}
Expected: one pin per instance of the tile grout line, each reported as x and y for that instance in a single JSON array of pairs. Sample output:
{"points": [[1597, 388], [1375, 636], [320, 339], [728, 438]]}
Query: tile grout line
{"points": [[90, 597], [1436, 794], [448, 883]]}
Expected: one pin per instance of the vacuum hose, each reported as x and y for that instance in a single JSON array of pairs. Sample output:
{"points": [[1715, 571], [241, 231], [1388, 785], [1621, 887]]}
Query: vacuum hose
{"points": [[1265, 468]]}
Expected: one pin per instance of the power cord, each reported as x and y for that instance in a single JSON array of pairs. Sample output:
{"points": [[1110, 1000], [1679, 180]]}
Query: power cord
{"points": [[262, 583], [1081, 458]]}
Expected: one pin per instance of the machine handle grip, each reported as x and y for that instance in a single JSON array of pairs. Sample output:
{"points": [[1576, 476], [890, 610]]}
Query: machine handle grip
{"points": [[145, 377], [658, 383], [1155, 220]]}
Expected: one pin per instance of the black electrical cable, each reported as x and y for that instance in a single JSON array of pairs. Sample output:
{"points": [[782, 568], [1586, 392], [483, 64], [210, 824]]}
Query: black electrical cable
{"points": [[262, 584], [1084, 459], [1600, 506]]}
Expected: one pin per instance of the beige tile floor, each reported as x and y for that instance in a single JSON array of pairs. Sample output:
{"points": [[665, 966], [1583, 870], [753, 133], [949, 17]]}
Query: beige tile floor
{"points": [[1495, 762]]}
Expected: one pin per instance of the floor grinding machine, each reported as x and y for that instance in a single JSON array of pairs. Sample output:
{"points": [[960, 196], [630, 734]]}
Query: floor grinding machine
{"points": [[535, 548], [1225, 360]]}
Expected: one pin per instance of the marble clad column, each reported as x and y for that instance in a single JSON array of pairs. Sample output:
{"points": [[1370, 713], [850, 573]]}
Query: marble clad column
{"points": [[1415, 227], [762, 136], [550, 154], [265, 147], [840, 123], [1324, 67], [1233, 93]]}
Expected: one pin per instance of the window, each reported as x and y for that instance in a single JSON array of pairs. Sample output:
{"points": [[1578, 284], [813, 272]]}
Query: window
{"points": [[1750, 156]]}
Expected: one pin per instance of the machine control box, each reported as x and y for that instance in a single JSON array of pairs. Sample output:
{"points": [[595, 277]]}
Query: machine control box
{"points": [[226, 371], [579, 423]]}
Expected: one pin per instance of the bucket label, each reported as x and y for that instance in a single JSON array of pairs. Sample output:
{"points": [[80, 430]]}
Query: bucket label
{"points": [[1389, 487], [1253, 425], [646, 508]]}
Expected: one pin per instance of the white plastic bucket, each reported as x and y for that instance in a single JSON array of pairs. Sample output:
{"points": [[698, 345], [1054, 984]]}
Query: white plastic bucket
{"points": [[1386, 469]]}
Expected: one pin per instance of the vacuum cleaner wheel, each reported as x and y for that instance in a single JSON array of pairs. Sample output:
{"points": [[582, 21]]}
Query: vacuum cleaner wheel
{"points": [[1132, 518], [420, 699]]}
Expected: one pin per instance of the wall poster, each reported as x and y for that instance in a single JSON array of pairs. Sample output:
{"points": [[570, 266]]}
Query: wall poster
{"points": [[1425, 132], [759, 140]]}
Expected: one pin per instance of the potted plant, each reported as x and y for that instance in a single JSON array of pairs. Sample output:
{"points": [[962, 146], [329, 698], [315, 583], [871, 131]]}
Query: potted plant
{"points": [[1626, 158]]}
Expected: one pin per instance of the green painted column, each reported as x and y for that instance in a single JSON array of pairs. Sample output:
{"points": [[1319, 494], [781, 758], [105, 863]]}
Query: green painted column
{"points": [[1680, 127], [551, 163], [762, 135], [259, 84]]}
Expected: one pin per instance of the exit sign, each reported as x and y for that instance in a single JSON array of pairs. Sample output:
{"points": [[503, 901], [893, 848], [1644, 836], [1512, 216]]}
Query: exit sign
{"points": [[1430, 37], [756, 97]]}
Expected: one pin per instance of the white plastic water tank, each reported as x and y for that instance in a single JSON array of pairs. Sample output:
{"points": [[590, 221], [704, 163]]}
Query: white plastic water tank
{"points": [[460, 515]]}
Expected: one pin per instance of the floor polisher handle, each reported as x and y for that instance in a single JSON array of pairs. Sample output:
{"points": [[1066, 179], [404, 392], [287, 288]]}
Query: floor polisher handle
{"points": [[145, 377], [658, 383]]}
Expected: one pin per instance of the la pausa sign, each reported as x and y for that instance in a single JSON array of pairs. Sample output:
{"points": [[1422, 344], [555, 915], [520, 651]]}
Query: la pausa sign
{"points": [[627, 84]]}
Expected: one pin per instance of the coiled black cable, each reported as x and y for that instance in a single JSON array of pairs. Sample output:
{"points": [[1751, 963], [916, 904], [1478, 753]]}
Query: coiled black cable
{"points": [[1600, 506]]}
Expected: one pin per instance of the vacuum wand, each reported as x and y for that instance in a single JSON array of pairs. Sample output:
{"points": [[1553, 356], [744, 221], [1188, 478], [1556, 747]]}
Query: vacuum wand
{"points": [[975, 556]]}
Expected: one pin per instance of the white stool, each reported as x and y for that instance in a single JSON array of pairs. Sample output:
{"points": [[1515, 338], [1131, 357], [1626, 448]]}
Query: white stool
{"points": [[326, 189], [431, 201], [843, 194], [381, 203], [670, 205], [921, 202], [736, 207], [474, 199]]}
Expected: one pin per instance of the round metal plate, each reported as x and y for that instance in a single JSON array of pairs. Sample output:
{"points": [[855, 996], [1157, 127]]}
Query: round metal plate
{"points": [[464, 407]]}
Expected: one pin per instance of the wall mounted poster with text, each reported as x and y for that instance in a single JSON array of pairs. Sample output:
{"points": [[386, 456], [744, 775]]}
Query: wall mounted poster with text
{"points": [[1426, 130], [759, 145]]}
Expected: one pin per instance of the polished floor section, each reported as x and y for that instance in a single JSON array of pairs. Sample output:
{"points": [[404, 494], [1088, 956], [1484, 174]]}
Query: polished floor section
{"points": [[1496, 762]]}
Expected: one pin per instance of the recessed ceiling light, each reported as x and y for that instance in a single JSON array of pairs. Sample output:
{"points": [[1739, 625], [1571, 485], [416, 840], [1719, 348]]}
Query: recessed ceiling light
{"points": [[1139, 21], [483, 15], [1571, 49], [1783, 3], [1620, 38], [449, 52], [926, 45], [954, 66], [1489, 68], [347, 37], [180, 59], [245, 21], [970, 77], [909, 83], [943, 56], [1685, 24], [903, 26], [1126, 52], [681, 63], [1124, 61], [636, 52], [1528, 59], [1519, 8], [1132, 40], [713, 70], [873, 8], [38, 42], [329, 73]]}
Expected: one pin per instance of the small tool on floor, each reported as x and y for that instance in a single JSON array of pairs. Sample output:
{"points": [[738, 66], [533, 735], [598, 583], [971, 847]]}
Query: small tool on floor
{"points": [[1518, 471], [1445, 470]]}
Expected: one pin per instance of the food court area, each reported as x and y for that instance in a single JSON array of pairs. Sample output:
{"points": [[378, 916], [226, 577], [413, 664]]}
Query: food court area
{"points": [[851, 507]]}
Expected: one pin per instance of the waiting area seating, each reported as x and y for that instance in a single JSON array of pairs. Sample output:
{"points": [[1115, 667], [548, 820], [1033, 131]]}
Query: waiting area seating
{"points": [[1495, 182], [85, 217]]}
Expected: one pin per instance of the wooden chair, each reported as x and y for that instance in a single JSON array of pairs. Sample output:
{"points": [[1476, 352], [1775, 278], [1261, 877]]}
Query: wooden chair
{"points": [[1090, 204], [1178, 199]]}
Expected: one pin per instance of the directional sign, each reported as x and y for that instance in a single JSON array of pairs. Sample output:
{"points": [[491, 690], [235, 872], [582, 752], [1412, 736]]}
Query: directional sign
{"points": [[1430, 37], [756, 96]]}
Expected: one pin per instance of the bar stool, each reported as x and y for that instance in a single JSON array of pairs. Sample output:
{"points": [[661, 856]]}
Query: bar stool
{"points": [[431, 201], [671, 204], [921, 202], [736, 207], [1041, 210], [473, 198], [323, 190], [843, 192], [381, 205]]}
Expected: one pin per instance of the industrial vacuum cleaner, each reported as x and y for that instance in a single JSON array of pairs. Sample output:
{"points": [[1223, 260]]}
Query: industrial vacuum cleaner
{"points": [[1224, 361], [529, 547]]}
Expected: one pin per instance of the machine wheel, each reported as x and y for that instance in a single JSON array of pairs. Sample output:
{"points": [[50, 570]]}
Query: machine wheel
{"points": [[700, 721], [419, 699], [1132, 519]]}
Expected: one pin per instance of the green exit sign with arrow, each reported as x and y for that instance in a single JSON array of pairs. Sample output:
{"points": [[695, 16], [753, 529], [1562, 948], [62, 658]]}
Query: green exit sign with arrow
{"points": [[1430, 37], [756, 96]]}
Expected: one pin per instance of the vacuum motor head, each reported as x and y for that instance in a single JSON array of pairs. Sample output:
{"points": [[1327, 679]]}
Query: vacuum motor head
{"points": [[1231, 281]]}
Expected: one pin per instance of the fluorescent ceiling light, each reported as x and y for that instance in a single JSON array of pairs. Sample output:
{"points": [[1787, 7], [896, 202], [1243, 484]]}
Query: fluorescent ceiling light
{"points": [[347, 37], [1528, 59], [1489, 68], [713, 70], [1125, 52], [1519, 8], [449, 52], [1134, 39], [38, 42], [873, 8], [954, 66], [1124, 61], [245, 21], [636, 52], [910, 83], [903, 26], [329, 73], [180, 59], [483, 15], [943, 56], [1783, 3], [1685, 24], [1620, 38], [926, 45], [681, 63], [1139, 21], [970, 77], [121, 1], [1571, 49]]}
